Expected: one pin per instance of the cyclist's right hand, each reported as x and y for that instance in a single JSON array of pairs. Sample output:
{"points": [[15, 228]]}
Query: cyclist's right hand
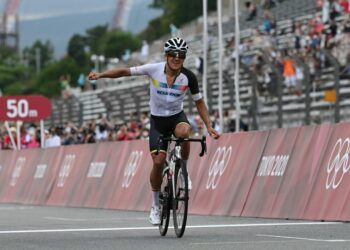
{"points": [[94, 76], [213, 133]]}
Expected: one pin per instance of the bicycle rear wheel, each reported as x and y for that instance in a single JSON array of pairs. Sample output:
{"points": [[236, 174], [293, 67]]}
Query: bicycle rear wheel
{"points": [[165, 197], [180, 204]]}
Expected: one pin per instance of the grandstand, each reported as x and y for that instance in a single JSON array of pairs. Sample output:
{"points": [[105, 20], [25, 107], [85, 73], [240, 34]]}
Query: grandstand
{"points": [[121, 98]]}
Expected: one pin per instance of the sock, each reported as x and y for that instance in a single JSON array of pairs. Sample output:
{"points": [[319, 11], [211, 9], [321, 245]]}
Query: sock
{"points": [[155, 199]]}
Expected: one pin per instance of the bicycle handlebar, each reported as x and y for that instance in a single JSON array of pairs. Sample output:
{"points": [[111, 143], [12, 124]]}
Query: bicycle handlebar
{"points": [[178, 141]]}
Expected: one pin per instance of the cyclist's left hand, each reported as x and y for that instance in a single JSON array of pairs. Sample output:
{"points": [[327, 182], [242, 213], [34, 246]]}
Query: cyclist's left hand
{"points": [[213, 133]]}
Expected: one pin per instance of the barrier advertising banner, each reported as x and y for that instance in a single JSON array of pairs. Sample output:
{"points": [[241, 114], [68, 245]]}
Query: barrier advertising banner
{"points": [[329, 197], [73, 167], [18, 175], [99, 181], [298, 173], [132, 189], [270, 173], [43, 176], [226, 173], [299, 177]]}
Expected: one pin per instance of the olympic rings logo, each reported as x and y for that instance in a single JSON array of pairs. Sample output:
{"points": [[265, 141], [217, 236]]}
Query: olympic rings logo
{"points": [[131, 167], [338, 163], [17, 171], [218, 165], [67, 164]]}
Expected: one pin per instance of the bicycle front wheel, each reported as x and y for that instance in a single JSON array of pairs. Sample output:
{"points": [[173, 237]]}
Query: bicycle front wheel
{"points": [[165, 197], [180, 204]]}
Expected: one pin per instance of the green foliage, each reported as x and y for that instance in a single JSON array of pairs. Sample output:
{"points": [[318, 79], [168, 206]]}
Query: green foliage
{"points": [[76, 50], [45, 51], [116, 42], [17, 78], [48, 82], [94, 37], [176, 12]]}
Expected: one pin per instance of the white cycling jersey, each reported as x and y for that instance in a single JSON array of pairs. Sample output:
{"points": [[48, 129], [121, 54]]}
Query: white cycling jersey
{"points": [[166, 100]]}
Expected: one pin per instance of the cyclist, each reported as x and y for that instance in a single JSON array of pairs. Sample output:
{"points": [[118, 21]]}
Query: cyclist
{"points": [[169, 81]]}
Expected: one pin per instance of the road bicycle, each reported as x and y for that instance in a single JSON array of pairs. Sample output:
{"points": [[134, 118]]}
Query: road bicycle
{"points": [[174, 190]]}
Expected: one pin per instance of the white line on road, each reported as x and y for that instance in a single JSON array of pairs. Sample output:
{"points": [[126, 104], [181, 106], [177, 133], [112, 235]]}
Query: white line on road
{"points": [[95, 219], [153, 228], [300, 238]]}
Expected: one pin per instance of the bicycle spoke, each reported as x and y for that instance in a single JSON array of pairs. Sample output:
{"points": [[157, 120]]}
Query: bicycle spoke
{"points": [[180, 205], [165, 198]]}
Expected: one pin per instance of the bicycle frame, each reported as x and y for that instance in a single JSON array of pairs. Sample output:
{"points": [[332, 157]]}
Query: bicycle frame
{"points": [[174, 171]]}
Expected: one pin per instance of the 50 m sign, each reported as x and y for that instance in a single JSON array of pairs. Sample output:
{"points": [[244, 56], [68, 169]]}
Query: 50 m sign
{"points": [[24, 108]]}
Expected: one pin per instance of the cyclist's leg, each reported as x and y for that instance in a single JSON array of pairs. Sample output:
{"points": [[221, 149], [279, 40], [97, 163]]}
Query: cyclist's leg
{"points": [[183, 130], [160, 158], [156, 176]]}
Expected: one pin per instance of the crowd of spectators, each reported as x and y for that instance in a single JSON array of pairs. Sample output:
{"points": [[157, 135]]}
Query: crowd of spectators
{"points": [[328, 30], [101, 130]]}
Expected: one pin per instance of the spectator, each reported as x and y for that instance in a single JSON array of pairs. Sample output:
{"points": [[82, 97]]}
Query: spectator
{"points": [[345, 5], [7, 143], [199, 65], [325, 11], [144, 51], [81, 81], [33, 141], [123, 133], [289, 73], [65, 86], [269, 23], [52, 138], [173, 30], [102, 128], [345, 73], [252, 10]]}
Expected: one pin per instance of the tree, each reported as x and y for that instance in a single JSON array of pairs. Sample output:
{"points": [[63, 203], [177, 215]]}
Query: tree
{"points": [[76, 50], [48, 82], [46, 53], [116, 42], [176, 12], [94, 36]]}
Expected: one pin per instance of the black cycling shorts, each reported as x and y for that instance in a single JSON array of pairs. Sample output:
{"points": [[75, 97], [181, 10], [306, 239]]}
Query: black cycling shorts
{"points": [[165, 126]]}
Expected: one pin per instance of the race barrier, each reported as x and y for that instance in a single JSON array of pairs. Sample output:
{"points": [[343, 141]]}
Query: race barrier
{"points": [[296, 173]]}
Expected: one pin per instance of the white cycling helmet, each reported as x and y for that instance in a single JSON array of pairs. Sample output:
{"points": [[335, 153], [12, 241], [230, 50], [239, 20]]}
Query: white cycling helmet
{"points": [[175, 43]]}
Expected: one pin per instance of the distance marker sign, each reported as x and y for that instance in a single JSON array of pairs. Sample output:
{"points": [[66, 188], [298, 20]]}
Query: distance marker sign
{"points": [[24, 108]]}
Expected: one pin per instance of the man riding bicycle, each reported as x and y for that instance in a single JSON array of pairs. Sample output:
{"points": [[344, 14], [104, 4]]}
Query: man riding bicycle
{"points": [[169, 82]]}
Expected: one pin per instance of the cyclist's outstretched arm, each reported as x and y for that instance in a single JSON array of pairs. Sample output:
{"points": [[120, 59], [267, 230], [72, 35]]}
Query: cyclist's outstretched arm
{"points": [[203, 112], [113, 73]]}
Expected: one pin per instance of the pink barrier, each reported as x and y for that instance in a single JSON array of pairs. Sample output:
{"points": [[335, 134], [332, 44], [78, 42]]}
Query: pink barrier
{"points": [[132, 189], [299, 173], [223, 178], [73, 165], [18, 174], [269, 172], [283, 179], [329, 197], [43, 174]]}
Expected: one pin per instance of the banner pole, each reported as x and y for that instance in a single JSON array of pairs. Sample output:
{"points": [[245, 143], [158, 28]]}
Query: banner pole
{"points": [[10, 134], [42, 132]]}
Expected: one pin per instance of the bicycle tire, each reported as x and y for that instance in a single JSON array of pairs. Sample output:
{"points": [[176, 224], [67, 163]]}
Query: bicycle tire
{"points": [[180, 202], [165, 198]]}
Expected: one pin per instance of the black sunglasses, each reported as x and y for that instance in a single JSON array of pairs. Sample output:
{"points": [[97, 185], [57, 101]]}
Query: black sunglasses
{"points": [[177, 54]]}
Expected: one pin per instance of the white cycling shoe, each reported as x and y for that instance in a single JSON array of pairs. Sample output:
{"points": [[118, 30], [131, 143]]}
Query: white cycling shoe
{"points": [[189, 182], [154, 217]]}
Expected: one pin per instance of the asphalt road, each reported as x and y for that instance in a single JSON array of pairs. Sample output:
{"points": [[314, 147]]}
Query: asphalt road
{"points": [[36, 227]]}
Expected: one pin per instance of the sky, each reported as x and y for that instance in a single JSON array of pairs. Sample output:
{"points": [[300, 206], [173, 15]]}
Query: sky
{"points": [[59, 20]]}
